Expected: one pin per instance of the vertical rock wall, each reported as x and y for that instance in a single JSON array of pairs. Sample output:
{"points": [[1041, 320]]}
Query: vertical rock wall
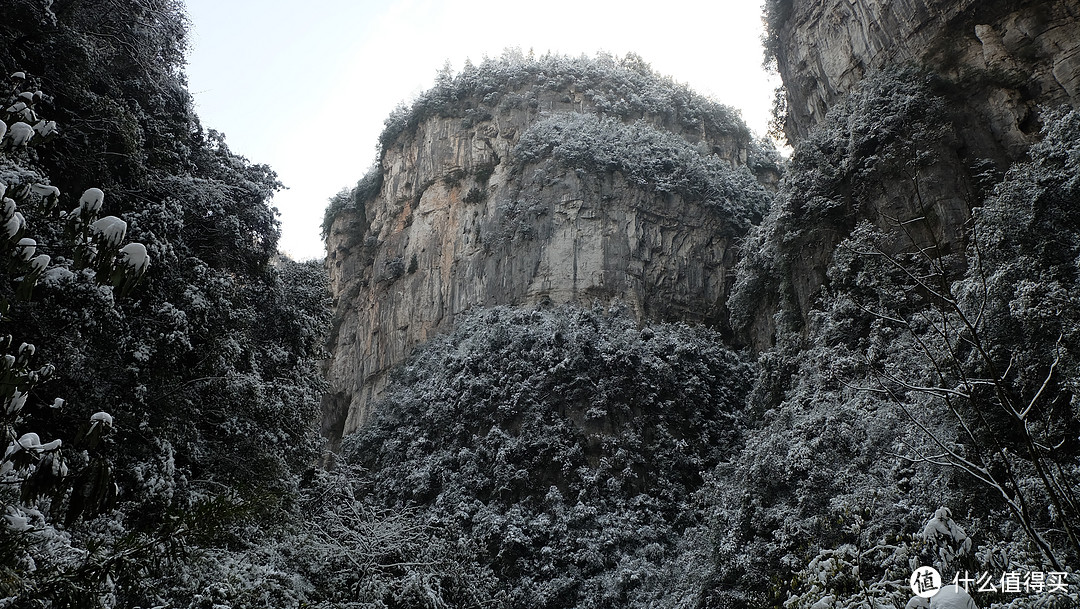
{"points": [[457, 224], [1004, 58], [996, 64]]}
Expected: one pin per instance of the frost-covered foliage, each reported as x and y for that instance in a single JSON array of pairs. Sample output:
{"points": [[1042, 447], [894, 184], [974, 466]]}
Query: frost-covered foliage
{"points": [[981, 361], [335, 551], [44, 483], [907, 378], [1028, 234], [626, 88], [186, 359], [837, 579], [617, 90], [867, 154], [1021, 296], [564, 447], [776, 15], [354, 553], [815, 475], [648, 158], [353, 199]]}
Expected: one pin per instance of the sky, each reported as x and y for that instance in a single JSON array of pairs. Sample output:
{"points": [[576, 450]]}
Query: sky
{"points": [[305, 86]]}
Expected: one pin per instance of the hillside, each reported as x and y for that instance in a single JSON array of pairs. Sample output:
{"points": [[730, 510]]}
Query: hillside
{"points": [[160, 382]]}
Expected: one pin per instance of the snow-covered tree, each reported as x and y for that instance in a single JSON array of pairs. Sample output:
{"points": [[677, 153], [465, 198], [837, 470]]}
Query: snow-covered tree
{"points": [[42, 486], [565, 448], [161, 304], [912, 368]]}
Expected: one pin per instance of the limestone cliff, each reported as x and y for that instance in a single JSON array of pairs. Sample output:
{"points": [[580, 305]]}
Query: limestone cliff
{"points": [[534, 182], [1004, 57], [912, 157]]}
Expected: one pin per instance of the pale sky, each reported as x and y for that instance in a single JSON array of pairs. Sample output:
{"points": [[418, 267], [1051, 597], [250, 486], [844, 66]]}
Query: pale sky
{"points": [[305, 86]]}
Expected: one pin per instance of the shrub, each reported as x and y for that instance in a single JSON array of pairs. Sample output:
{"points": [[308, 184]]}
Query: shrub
{"points": [[564, 447], [648, 158]]}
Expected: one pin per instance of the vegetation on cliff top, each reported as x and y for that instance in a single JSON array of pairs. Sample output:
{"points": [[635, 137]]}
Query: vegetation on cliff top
{"points": [[776, 14], [864, 152], [626, 88], [657, 112], [548, 458], [648, 158]]}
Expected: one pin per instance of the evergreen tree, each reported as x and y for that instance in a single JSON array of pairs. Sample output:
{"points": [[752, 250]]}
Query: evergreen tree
{"points": [[207, 366]]}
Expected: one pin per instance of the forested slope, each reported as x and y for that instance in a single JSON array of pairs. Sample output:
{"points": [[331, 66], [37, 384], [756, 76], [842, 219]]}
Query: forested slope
{"points": [[194, 347], [914, 400]]}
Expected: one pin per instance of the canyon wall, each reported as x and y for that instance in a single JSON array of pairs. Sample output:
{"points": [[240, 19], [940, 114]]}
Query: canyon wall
{"points": [[982, 73], [1004, 58]]}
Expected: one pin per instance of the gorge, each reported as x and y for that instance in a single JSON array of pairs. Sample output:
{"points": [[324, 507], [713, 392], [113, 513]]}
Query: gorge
{"points": [[580, 339]]}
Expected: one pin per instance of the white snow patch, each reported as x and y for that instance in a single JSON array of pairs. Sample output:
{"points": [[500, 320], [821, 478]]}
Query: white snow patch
{"points": [[135, 257], [111, 229], [14, 224], [952, 597], [31, 442], [91, 200], [39, 262], [16, 401], [20, 133], [56, 275], [17, 521], [45, 128], [102, 418], [44, 190], [26, 248], [942, 525]]}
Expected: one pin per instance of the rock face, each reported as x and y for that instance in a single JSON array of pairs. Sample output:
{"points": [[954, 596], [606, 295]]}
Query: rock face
{"points": [[1004, 58], [459, 221], [994, 64]]}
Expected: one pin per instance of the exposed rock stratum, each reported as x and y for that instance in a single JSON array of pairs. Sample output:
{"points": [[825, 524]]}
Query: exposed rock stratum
{"points": [[1004, 57], [993, 67], [526, 189]]}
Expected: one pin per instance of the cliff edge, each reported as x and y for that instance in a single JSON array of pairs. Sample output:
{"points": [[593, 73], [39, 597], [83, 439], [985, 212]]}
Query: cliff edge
{"points": [[902, 114]]}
